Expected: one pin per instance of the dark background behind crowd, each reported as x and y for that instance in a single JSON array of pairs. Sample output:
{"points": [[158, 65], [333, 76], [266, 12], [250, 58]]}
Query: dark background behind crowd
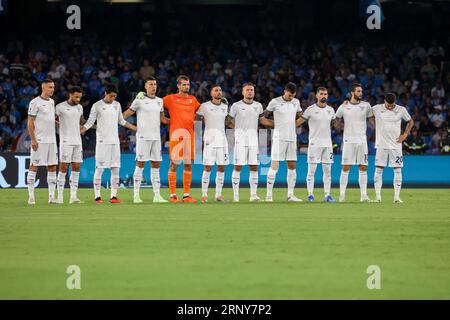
{"points": [[266, 42]]}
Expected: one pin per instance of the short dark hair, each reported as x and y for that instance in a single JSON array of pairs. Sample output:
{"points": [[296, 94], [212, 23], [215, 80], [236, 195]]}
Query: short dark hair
{"points": [[182, 77], [110, 88], [214, 86], [47, 80], [150, 78], [75, 89], [321, 89], [291, 87], [390, 98], [248, 84], [354, 86]]}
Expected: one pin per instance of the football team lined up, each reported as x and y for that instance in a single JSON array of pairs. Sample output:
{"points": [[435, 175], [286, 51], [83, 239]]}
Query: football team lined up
{"points": [[179, 111]]}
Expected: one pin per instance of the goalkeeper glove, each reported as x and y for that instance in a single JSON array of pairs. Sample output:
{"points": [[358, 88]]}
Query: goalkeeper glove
{"points": [[140, 95], [224, 100]]}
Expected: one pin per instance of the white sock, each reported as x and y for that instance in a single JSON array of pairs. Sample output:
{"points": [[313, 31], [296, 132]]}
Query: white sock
{"points": [[137, 179], [98, 181], [51, 181], [253, 180], [310, 177], [291, 179], [73, 181], [362, 179], [31, 179], [326, 168], [397, 182], [343, 181], [61, 183], [378, 181], [114, 181], [156, 180], [205, 182], [271, 175], [235, 179], [219, 183]]}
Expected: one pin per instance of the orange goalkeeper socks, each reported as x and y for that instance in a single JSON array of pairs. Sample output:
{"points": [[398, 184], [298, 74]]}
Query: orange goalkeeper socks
{"points": [[172, 177], [187, 177]]}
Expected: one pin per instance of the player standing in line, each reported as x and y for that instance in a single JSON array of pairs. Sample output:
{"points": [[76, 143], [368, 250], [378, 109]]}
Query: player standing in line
{"points": [[108, 113], [181, 108], [70, 116], [215, 149], [354, 150], [388, 142], [245, 116], [285, 110], [41, 127], [150, 114], [320, 149]]}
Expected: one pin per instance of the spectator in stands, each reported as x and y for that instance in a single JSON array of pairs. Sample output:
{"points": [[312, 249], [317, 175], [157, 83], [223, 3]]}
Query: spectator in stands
{"points": [[414, 144]]}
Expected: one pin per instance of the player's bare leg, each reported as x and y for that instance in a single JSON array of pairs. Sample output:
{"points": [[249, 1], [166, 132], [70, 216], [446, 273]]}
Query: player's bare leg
{"points": [[220, 177], [61, 181], [205, 183], [378, 182], [156, 182], [137, 179], [31, 179], [235, 179], [51, 181], [344, 181], [253, 181]]}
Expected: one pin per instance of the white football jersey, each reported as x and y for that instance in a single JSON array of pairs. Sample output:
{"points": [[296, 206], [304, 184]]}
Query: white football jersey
{"points": [[107, 115], [319, 122], [69, 123], [388, 125], [246, 119], [355, 121], [214, 116], [284, 116], [44, 111], [148, 113]]}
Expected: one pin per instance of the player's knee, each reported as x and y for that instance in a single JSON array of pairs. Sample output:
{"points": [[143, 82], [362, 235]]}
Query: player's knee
{"points": [[253, 168], [207, 168], [291, 165], [154, 164], [52, 168], [347, 168], [75, 166], [362, 168], [275, 165], [221, 168], [238, 168], [187, 166], [140, 164]]}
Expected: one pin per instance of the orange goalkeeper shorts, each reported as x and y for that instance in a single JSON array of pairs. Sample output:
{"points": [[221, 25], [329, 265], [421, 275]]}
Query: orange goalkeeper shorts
{"points": [[182, 150]]}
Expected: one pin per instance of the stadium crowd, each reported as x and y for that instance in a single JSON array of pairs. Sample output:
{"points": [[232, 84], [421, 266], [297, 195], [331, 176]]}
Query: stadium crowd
{"points": [[418, 73]]}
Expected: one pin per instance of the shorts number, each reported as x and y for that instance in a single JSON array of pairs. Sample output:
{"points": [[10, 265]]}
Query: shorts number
{"points": [[331, 156], [399, 159]]}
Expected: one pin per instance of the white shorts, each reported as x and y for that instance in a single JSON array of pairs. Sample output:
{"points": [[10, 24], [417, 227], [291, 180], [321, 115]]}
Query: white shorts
{"points": [[107, 155], [245, 155], [215, 155], [45, 155], [284, 150], [355, 154], [148, 150], [320, 155], [393, 157], [69, 153]]}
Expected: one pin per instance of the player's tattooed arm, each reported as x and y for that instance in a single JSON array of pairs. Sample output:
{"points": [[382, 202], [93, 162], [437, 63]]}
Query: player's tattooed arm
{"points": [[300, 121], [130, 126], [229, 122], [31, 131], [405, 134], [128, 113], [164, 119], [264, 119]]}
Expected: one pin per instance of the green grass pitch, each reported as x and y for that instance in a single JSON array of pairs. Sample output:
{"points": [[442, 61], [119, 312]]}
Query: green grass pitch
{"points": [[226, 251]]}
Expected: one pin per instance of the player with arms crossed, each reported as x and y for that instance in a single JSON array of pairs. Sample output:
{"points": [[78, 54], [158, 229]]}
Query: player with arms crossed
{"points": [[181, 108], [41, 127], [150, 114], [244, 118], [108, 114], [354, 151], [286, 110], [215, 148], [70, 116], [388, 142], [320, 149]]}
